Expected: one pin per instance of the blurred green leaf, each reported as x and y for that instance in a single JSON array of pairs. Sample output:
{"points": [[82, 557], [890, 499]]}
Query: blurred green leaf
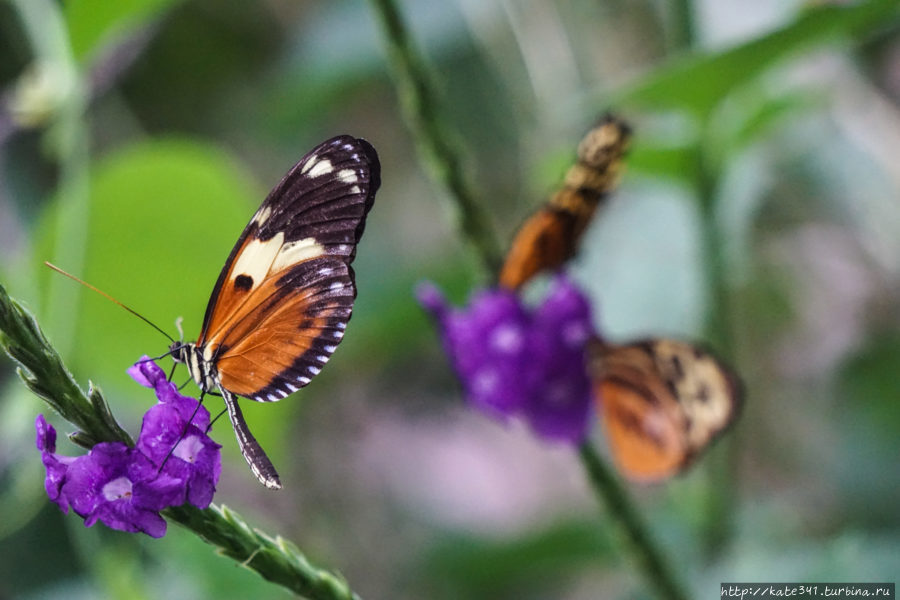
{"points": [[766, 114], [94, 22], [697, 83], [673, 162], [476, 568], [869, 386]]}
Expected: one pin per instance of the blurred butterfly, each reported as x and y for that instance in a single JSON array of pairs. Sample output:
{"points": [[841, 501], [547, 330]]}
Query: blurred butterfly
{"points": [[284, 297], [550, 236], [662, 402]]}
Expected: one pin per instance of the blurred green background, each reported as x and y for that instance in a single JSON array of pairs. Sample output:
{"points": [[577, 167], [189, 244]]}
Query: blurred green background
{"points": [[759, 212]]}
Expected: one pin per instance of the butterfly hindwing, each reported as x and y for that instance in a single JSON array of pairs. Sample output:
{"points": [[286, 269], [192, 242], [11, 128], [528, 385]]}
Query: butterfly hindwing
{"points": [[662, 401], [297, 326]]}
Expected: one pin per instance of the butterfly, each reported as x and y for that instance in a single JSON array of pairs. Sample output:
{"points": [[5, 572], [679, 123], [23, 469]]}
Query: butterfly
{"points": [[662, 402], [283, 299], [550, 236]]}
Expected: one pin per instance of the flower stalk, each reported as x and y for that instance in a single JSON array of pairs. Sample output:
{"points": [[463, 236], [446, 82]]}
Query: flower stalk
{"points": [[419, 101], [42, 370], [641, 546]]}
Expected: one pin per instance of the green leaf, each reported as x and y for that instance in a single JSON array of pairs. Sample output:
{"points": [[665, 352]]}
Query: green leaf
{"points": [[474, 568], [697, 83], [94, 22]]}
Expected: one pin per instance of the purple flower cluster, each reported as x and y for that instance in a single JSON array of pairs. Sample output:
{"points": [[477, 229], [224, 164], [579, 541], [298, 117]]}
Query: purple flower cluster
{"points": [[173, 462], [516, 362]]}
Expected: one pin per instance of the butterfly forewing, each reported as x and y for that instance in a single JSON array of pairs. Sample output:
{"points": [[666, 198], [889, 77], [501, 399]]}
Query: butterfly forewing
{"points": [[550, 236], [318, 209]]}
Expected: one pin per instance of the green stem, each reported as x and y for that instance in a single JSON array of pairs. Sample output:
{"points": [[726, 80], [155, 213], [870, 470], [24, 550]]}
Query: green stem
{"points": [[721, 493], [43, 371], [640, 545], [45, 28], [684, 33], [419, 101]]}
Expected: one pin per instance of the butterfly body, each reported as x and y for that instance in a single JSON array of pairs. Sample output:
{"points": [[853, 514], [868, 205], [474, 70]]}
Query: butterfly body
{"points": [[283, 299]]}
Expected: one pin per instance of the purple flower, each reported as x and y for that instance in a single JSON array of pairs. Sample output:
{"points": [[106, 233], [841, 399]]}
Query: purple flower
{"points": [[187, 454], [149, 374], [113, 484], [512, 361], [173, 462], [183, 450], [55, 464]]}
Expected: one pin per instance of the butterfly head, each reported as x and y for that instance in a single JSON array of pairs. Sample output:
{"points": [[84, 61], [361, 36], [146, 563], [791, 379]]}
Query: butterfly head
{"points": [[180, 351], [202, 371]]}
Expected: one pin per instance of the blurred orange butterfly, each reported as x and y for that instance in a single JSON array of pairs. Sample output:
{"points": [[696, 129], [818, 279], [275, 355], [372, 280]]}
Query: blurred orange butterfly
{"points": [[286, 292], [661, 402], [550, 236]]}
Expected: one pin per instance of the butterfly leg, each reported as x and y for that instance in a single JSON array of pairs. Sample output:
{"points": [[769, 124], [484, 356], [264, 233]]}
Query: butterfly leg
{"points": [[216, 418], [253, 453]]}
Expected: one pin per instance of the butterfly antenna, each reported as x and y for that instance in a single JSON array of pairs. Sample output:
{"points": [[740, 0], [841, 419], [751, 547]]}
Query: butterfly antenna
{"points": [[108, 297]]}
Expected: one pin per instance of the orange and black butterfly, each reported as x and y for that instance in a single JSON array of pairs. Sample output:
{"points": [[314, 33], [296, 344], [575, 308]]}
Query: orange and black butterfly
{"points": [[283, 299], [550, 236], [662, 402]]}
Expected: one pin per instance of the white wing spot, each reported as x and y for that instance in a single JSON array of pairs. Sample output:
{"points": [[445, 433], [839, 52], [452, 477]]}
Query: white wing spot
{"points": [[337, 285], [292, 387], [258, 398], [314, 369], [272, 398], [355, 190], [322, 359], [296, 252], [338, 334], [303, 380], [341, 325], [256, 259], [326, 271], [330, 348], [322, 167], [347, 176], [262, 215]]}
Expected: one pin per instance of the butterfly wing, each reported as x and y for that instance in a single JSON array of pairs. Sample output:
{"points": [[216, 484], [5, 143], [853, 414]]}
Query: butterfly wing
{"points": [[545, 241], [286, 292], [550, 236], [663, 402]]}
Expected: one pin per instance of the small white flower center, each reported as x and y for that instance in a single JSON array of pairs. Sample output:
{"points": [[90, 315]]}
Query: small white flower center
{"points": [[188, 449], [575, 334], [507, 338], [117, 489], [485, 381]]}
